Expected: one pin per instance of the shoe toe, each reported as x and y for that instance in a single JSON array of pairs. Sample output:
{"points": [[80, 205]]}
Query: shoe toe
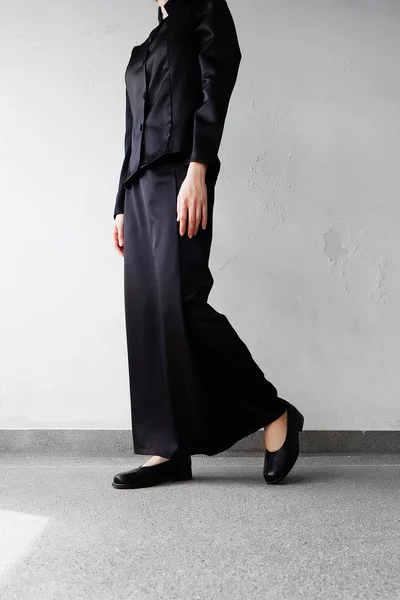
{"points": [[273, 476], [126, 478], [118, 479]]}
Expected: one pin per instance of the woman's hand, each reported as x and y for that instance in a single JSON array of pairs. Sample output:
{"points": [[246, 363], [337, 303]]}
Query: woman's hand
{"points": [[192, 200], [119, 234]]}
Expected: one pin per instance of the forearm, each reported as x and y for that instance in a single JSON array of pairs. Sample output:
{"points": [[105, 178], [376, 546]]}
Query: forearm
{"points": [[120, 199]]}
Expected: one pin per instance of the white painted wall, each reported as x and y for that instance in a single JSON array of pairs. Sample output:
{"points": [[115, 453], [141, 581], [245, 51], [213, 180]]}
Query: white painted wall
{"points": [[306, 250]]}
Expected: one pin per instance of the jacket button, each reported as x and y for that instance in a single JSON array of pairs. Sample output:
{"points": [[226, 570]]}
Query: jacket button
{"points": [[141, 126]]}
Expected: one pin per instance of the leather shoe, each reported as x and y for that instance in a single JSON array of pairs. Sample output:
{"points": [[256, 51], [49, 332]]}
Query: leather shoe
{"points": [[279, 463], [175, 469]]}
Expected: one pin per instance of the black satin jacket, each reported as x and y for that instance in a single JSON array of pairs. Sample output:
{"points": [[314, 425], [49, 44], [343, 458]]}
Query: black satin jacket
{"points": [[178, 86]]}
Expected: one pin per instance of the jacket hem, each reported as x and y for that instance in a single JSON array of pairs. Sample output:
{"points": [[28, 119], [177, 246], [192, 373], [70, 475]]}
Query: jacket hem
{"points": [[166, 150]]}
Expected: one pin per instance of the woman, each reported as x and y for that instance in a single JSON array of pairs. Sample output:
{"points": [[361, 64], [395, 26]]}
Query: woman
{"points": [[195, 388]]}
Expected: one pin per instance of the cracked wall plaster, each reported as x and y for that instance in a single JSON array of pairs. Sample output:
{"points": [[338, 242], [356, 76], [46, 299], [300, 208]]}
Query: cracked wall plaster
{"points": [[333, 246]]}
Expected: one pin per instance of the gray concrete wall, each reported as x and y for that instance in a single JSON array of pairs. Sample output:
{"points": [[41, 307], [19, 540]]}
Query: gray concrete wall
{"points": [[306, 250]]}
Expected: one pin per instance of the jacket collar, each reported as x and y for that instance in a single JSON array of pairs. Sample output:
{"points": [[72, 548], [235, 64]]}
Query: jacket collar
{"points": [[170, 6]]}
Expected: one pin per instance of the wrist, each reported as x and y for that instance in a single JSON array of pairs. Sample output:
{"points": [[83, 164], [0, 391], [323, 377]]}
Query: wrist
{"points": [[197, 168]]}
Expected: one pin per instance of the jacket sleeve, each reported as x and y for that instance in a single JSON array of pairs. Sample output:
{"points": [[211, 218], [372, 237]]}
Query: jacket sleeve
{"points": [[120, 200], [219, 57]]}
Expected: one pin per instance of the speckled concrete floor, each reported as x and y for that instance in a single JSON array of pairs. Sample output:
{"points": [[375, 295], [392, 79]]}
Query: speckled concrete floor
{"points": [[331, 530]]}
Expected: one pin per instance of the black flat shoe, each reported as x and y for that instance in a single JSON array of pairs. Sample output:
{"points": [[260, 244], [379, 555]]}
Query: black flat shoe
{"points": [[279, 463], [175, 469]]}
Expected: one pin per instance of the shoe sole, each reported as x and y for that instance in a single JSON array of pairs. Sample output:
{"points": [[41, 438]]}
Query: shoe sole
{"points": [[126, 486]]}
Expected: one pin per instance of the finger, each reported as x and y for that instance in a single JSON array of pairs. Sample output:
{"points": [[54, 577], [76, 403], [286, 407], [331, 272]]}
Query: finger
{"points": [[198, 219], [204, 216], [116, 243], [121, 237], [115, 237], [182, 219], [192, 220]]}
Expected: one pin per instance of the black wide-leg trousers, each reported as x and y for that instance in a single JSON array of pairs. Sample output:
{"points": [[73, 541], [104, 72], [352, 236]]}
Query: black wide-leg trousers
{"points": [[194, 385]]}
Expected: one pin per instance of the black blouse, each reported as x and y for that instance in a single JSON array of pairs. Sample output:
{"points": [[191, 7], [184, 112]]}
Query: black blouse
{"points": [[178, 86]]}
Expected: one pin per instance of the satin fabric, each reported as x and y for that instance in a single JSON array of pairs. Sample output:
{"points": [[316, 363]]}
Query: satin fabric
{"points": [[195, 388], [179, 82]]}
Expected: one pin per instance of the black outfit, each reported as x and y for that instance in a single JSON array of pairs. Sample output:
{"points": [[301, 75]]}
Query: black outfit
{"points": [[195, 388]]}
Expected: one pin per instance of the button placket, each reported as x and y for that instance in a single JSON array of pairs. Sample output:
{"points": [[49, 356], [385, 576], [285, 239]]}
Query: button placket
{"points": [[145, 92], [145, 89]]}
